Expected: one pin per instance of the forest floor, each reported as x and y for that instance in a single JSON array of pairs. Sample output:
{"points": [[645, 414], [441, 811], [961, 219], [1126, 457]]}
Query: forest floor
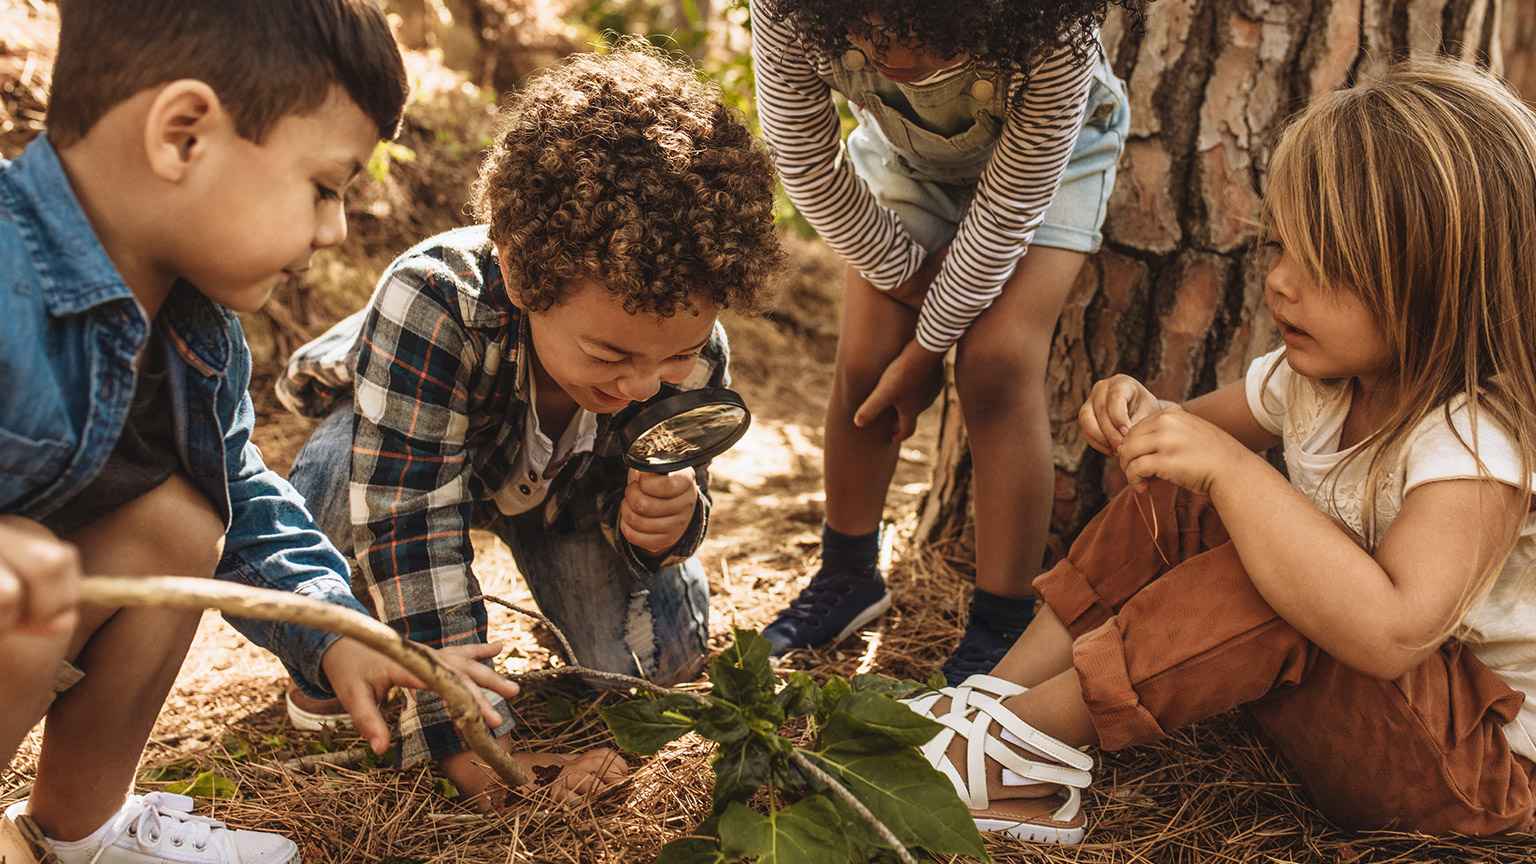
{"points": [[1209, 793]]}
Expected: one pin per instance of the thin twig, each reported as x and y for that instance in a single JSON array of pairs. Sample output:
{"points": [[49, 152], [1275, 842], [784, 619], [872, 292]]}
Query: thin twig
{"points": [[565, 644], [798, 757], [339, 759], [181, 592]]}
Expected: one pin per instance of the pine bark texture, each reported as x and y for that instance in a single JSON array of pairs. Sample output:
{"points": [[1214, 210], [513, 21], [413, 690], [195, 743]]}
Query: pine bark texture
{"points": [[1176, 295]]}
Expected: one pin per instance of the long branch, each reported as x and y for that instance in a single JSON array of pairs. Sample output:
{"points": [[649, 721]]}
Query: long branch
{"points": [[811, 768], [181, 592]]}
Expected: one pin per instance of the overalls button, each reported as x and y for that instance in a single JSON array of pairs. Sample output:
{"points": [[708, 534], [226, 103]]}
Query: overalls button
{"points": [[982, 90], [853, 59]]}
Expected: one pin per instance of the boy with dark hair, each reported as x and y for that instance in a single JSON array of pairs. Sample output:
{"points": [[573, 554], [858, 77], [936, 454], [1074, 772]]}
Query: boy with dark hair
{"points": [[625, 207], [198, 154]]}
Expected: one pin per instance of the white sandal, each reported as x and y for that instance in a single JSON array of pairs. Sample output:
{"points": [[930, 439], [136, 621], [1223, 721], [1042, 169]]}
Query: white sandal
{"points": [[975, 705]]}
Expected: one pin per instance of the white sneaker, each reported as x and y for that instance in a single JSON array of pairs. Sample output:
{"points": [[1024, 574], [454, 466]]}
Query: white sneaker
{"points": [[159, 828]]}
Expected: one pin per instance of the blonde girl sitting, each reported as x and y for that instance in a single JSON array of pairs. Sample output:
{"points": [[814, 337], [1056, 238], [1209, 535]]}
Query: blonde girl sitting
{"points": [[1373, 615]]}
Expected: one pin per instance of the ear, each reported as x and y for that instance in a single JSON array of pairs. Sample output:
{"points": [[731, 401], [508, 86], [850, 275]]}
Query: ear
{"points": [[185, 120], [512, 293]]}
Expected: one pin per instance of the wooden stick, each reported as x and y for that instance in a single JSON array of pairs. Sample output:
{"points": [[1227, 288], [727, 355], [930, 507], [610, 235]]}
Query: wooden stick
{"points": [[182, 592]]}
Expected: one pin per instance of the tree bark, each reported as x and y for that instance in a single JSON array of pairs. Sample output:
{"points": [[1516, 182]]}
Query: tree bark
{"points": [[1176, 295]]}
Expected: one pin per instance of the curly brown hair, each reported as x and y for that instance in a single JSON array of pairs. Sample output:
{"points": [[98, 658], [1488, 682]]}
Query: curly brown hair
{"points": [[628, 169], [1007, 34]]}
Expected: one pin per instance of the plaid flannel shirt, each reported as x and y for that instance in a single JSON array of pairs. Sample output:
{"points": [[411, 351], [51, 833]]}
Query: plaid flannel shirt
{"points": [[437, 365]]}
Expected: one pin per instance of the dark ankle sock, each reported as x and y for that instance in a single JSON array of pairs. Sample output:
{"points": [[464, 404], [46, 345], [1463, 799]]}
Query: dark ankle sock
{"points": [[1006, 616], [858, 553]]}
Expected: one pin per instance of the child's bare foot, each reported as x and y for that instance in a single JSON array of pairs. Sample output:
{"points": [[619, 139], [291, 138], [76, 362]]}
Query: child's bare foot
{"points": [[1030, 790], [565, 778]]}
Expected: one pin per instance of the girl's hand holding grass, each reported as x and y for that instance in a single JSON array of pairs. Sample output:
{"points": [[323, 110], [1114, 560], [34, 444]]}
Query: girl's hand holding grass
{"points": [[909, 384], [1184, 449], [1114, 406], [657, 509]]}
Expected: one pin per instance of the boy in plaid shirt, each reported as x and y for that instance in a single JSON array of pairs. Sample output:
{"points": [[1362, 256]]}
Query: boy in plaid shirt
{"points": [[625, 206]]}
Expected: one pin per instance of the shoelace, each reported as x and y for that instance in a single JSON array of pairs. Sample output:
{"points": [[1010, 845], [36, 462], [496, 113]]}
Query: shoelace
{"points": [[816, 601], [149, 818]]}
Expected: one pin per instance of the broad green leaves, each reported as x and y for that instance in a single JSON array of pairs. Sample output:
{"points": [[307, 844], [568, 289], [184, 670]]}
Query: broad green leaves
{"points": [[866, 740]]}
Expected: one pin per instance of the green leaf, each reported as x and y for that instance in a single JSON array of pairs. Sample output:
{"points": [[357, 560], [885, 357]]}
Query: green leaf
{"points": [[561, 709], [446, 788], [645, 727], [889, 686], [873, 722], [798, 697], [691, 850], [237, 749], [902, 790], [722, 722], [832, 693], [937, 681], [806, 833], [205, 785], [742, 674], [741, 768], [181, 769], [276, 742]]}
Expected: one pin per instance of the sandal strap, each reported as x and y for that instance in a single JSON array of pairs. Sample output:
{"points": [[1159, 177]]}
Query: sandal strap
{"points": [[992, 685], [971, 716]]}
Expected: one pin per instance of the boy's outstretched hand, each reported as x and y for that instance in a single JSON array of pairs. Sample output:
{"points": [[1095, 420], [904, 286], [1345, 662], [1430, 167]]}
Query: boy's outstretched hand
{"points": [[909, 384], [565, 777], [657, 509], [362, 677], [1114, 406], [39, 579]]}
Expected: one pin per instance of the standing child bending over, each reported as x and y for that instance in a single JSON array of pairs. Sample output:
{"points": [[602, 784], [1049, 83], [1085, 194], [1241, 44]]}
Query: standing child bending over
{"points": [[965, 203], [1374, 614]]}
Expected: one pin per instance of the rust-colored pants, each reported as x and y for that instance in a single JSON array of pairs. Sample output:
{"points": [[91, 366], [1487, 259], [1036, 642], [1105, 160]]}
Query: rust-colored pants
{"points": [[1160, 646]]}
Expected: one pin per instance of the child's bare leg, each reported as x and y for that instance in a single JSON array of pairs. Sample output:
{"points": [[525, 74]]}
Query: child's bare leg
{"points": [[1042, 653], [859, 462], [96, 730], [1000, 376], [28, 665]]}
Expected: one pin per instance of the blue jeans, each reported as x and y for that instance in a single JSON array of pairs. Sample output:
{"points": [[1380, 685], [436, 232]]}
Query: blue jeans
{"points": [[579, 581]]}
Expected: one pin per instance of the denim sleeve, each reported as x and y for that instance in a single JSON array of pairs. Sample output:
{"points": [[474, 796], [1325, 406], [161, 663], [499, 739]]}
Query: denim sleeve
{"points": [[272, 540]]}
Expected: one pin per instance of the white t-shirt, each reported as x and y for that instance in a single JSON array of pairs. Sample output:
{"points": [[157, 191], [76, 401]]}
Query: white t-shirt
{"points": [[540, 459], [1308, 415]]}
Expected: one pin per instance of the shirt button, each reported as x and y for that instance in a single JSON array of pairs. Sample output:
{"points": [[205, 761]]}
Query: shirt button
{"points": [[853, 59], [982, 90], [524, 489]]}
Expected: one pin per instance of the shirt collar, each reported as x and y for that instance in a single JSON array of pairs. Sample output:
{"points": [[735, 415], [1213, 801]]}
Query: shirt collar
{"points": [[72, 267]]}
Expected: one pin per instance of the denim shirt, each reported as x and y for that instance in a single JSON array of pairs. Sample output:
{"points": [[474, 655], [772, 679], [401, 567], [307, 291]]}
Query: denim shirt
{"points": [[71, 332]]}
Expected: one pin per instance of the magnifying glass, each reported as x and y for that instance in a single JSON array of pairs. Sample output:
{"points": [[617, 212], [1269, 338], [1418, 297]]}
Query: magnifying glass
{"points": [[684, 430]]}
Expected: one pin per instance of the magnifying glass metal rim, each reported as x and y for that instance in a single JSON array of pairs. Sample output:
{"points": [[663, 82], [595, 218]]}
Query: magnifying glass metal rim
{"points": [[679, 403]]}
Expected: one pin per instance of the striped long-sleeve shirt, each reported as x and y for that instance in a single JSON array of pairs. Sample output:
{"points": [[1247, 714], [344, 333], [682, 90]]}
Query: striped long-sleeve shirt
{"points": [[801, 125]]}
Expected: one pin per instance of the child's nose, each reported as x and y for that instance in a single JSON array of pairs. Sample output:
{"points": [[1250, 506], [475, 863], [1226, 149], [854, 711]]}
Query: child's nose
{"points": [[641, 385], [332, 227]]}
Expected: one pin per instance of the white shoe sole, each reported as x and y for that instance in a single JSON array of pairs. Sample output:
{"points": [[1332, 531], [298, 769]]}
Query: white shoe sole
{"points": [[308, 721], [1033, 833], [869, 614]]}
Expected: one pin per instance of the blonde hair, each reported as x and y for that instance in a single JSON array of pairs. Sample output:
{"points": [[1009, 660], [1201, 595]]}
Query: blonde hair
{"points": [[1416, 192]]}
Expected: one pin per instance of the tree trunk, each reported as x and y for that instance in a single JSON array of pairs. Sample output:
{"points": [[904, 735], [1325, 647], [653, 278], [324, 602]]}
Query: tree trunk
{"points": [[1175, 297]]}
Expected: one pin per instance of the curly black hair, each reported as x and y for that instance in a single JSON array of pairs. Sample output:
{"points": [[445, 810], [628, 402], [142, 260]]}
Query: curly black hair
{"points": [[628, 169], [1006, 34]]}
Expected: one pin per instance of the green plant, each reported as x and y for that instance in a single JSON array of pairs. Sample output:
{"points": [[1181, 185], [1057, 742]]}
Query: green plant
{"points": [[865, 749]]}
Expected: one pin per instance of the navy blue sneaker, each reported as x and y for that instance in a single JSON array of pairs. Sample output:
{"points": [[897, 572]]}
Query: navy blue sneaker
{"points": [[993, 624], [834, 604]]}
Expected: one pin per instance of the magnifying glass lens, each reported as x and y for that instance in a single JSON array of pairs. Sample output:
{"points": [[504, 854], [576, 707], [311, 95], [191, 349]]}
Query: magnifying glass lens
{"points": [[689, 434]]}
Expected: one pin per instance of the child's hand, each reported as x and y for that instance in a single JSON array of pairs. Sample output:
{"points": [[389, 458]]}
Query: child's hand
{"points": [[914, 291], [362, 676], [39, 579], [657, 509], [909, 385], [581, 775], [1114, 406], [1179, 447]]}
